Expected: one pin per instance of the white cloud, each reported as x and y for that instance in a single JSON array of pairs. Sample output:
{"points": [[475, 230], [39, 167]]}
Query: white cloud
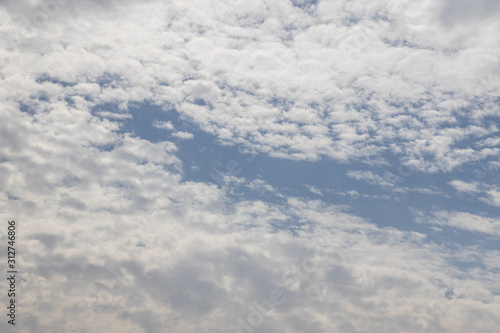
{"points": [[465, 221], [339, 81], [113, 115], [314, 189], [167, 125], [465, 187], [494, 197], [183, 135], [388, 180], [261, 186], [485, 192], [490, 142]]}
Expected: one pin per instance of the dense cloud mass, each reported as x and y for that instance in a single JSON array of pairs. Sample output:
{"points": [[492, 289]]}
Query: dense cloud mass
{"points": [[114, 236]]}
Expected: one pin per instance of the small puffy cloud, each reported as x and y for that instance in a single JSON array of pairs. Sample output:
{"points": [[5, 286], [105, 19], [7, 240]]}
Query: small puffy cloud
{"points": [[462, 186], [490, 142], [314, 189], [183, 135], [166, 125], [493, 197], [261, 186], [485, 192]]}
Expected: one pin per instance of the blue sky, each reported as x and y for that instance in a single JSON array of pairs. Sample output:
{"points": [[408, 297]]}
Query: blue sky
{"points": [[389, 201], [252, 166]]}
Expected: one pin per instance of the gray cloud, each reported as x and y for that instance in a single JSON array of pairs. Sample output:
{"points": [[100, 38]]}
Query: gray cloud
{"points": [[468, 11]]}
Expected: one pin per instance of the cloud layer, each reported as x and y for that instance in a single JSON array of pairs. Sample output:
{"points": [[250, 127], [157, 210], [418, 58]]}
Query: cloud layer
{"points": [[115, 238], [336, 80]]}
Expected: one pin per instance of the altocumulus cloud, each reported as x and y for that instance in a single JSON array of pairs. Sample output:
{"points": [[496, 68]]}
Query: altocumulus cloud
{"points": [[116, 238]]}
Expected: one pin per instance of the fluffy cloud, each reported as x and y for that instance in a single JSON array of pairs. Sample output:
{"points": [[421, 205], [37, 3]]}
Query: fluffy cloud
{"points": [[294, 80], [469, 222], [485, 192], [494, 197], [464, 187]]}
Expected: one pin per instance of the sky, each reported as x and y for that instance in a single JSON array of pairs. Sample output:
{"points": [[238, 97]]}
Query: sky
{"points": [[251, 166]]}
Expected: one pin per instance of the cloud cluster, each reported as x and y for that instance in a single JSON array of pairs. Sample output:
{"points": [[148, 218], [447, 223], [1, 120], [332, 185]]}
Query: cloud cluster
{"points": [[308, 80], [489, 193], [465, 221], [116, 239]]}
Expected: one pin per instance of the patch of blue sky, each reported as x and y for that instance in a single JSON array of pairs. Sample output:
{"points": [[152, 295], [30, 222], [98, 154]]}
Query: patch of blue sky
{"points": [[47, 78], [24, 108], [206, 159]]}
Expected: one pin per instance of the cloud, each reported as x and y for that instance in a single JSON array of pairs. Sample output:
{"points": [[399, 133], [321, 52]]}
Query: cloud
{"points": [[388, 180], [468, 11], [485, 192], [314, 189], [260, 185], [208, 279], [183, 135], [167, 125], [464, 187], [465, 221], [494, 197]]}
